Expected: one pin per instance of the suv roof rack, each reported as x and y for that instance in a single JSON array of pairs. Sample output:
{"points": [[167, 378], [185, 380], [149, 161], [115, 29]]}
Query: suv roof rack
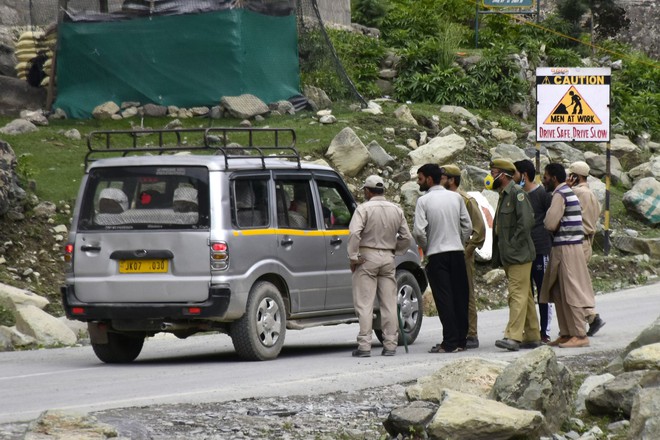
{"points": [[215, 139]]}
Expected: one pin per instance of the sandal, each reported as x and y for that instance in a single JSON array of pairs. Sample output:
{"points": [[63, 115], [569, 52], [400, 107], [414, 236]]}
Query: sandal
{"points": [[438, 348]]}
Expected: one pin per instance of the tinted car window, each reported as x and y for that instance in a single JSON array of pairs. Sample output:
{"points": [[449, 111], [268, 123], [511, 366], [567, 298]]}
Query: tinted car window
{"points": [[250, 203], [146, 198], [337, 204]]}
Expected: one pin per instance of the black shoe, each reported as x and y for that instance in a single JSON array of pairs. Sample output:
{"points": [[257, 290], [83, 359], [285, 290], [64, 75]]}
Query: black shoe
{"points": [[595, 325], [361, 354], [530, 344], [387, 352], [508, 344], [472, 342]]}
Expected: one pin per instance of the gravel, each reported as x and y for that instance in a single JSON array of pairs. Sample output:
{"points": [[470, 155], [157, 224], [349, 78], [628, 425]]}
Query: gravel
{"points": [[344, 415]]}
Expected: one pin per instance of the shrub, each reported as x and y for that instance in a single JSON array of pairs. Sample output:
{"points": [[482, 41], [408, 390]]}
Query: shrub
{"points": [[369, 12]]}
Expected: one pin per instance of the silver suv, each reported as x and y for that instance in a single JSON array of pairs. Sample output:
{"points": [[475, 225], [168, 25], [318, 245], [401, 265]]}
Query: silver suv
{"points": [[244, 240]]}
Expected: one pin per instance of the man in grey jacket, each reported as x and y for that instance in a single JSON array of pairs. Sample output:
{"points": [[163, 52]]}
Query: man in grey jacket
{"points": [[442, 226]]}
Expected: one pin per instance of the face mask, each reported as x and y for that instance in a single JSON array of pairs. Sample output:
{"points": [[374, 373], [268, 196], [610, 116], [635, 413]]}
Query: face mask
{"points": [[489, 180], [522, 182]]}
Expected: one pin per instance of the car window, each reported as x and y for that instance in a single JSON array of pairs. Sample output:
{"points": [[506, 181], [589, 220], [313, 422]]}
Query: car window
{"points": [[250, 203], [145, 198], [337, 204], [295, 206]]}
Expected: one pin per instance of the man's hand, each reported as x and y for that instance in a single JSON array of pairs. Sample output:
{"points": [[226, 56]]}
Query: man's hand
{"points": [[356, 263]]}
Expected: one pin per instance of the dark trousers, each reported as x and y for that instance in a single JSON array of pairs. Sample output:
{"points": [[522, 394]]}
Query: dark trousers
{"points": [[538, 271], [448, 279]]}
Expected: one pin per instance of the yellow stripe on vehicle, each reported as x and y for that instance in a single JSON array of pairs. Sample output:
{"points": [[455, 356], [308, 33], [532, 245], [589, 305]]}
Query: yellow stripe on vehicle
{"points": [[276, 231]]}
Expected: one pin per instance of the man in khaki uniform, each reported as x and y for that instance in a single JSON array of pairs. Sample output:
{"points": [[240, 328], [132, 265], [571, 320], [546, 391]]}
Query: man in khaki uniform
{"points": [[577, 181], [378, 232], [451, 179]]}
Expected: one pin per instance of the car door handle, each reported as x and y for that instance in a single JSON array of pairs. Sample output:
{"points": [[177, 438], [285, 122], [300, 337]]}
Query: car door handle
{"points": [[90, 248], [286, 242], [335, 241]]}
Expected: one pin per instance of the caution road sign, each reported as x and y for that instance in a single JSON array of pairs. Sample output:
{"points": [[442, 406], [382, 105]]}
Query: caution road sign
{"points": [[573, 104]]}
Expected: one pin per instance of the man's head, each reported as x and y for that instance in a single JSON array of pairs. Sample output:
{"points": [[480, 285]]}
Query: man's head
{"points": [[578, 172], [451, 176], [428, 175], [525, 171], [373, 186], [554, 175], [502, 171]]}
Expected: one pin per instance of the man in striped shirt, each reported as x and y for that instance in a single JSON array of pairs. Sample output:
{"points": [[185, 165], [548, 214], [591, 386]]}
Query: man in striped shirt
{"points": [[567, 282]]}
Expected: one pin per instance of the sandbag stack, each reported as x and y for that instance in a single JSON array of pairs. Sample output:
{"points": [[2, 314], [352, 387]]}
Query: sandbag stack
{"points": [[34, 53]]}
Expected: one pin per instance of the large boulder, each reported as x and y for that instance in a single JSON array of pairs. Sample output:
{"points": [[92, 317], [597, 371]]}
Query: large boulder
{"points": [[403, 114], [10, 192], [505, 136], [645, 415], [643, 198], [348, 153], [650, 335], [12, 297], [615, 397], [438, 150], [507, 151], [62, 424], [563, 153], [474, 376], [46, 329], [647, 169], [7, 56], [379, 155], [244, 106], [19, 126], [643, 358], [623, 148], [464, 416], [317, 98], [537, 382], [18, 95]]}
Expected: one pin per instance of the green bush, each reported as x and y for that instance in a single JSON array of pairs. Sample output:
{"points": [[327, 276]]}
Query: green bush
{"points": [[369, 12], [360, 56], [492, 83], [563, 58]]}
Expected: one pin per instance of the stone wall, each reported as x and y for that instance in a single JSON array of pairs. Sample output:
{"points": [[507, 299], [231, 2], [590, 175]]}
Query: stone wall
{"points": [[334, 11]]}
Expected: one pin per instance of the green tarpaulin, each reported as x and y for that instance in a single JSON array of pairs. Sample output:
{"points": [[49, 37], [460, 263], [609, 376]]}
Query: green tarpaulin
{"points": [[184, 60]]}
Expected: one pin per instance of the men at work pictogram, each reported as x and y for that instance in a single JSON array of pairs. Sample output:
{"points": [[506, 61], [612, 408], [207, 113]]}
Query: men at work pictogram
{"points": [[580, 113], [577, 102]]}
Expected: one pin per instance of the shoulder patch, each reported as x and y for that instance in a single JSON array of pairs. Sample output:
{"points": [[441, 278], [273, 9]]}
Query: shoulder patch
{"points": [[521, 197]]}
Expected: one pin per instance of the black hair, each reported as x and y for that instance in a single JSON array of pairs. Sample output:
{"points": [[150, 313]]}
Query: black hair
{"points": [[457, 180], [556, 170], [526, 166], [376, 190], [431, 170]]}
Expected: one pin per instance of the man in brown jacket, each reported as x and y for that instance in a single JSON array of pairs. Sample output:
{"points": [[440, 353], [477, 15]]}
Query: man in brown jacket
{"points": [[451, 179]]}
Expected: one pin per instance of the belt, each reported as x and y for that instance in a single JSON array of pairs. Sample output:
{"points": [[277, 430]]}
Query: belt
{"points": [[364, 248]]}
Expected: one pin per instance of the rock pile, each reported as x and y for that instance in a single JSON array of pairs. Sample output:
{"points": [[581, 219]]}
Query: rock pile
{"points": [[532, 397]]}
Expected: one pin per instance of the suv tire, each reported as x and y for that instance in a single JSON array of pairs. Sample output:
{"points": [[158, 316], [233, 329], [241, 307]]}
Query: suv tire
{"points": [[259, 334], [409, 299], [120, 349]]}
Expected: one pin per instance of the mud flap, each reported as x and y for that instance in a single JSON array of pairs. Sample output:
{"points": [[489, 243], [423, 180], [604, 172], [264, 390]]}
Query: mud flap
{"points": [[98, 332]]}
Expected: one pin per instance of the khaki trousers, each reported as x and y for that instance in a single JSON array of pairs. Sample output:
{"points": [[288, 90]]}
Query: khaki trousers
{"points": [[523, 322], [570, 318], [472, 300], [375, 279]]}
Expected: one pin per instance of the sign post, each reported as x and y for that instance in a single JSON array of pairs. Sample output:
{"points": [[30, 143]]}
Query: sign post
{"points": [[573, 104], [518, 7]]}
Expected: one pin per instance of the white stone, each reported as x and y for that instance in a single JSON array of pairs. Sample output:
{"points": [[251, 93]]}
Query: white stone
{"points": [[438, 150], [12, 297], [46, 329]]}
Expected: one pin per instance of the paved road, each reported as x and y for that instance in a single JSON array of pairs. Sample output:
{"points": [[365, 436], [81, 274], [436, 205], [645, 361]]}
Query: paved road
{"points": [[206, 369]]}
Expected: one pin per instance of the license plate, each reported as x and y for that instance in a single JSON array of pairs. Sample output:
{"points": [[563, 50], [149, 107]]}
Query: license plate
{"points": [[143, 266]]}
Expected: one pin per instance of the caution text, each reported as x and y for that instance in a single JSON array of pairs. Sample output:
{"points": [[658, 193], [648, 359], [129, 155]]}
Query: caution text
{"points": [[572, 133]]}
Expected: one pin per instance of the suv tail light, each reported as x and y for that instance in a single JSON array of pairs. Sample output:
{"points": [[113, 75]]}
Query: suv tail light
{"points": [[68, 256], [219, 255]]}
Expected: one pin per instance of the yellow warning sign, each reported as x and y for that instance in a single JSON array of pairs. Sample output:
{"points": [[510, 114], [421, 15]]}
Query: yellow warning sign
{"points": [[572, 109]]}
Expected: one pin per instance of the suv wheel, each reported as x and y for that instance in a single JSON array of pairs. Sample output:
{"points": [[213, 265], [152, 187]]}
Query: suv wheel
{"points": [[409, 298], [120, 349], [259, 334]]}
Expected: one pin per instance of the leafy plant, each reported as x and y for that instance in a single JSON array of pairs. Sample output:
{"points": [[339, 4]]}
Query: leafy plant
{"points": [[563, 58], [369, 12]]}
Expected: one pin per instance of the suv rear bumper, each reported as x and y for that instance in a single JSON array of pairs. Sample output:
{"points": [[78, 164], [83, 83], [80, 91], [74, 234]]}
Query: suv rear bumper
{"points": [[215, 307]]}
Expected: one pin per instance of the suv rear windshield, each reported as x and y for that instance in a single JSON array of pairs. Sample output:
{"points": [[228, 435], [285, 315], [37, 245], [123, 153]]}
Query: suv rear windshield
{"points": [[146, 198]]}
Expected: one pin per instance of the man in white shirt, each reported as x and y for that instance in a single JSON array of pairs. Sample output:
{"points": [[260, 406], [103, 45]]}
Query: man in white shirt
{"points": [[442, 225]]}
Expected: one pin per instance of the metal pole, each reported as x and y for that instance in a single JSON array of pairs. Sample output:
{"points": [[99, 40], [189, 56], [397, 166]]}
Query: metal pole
{"points": [[538, 163], [606, 226], [476, 26]]}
